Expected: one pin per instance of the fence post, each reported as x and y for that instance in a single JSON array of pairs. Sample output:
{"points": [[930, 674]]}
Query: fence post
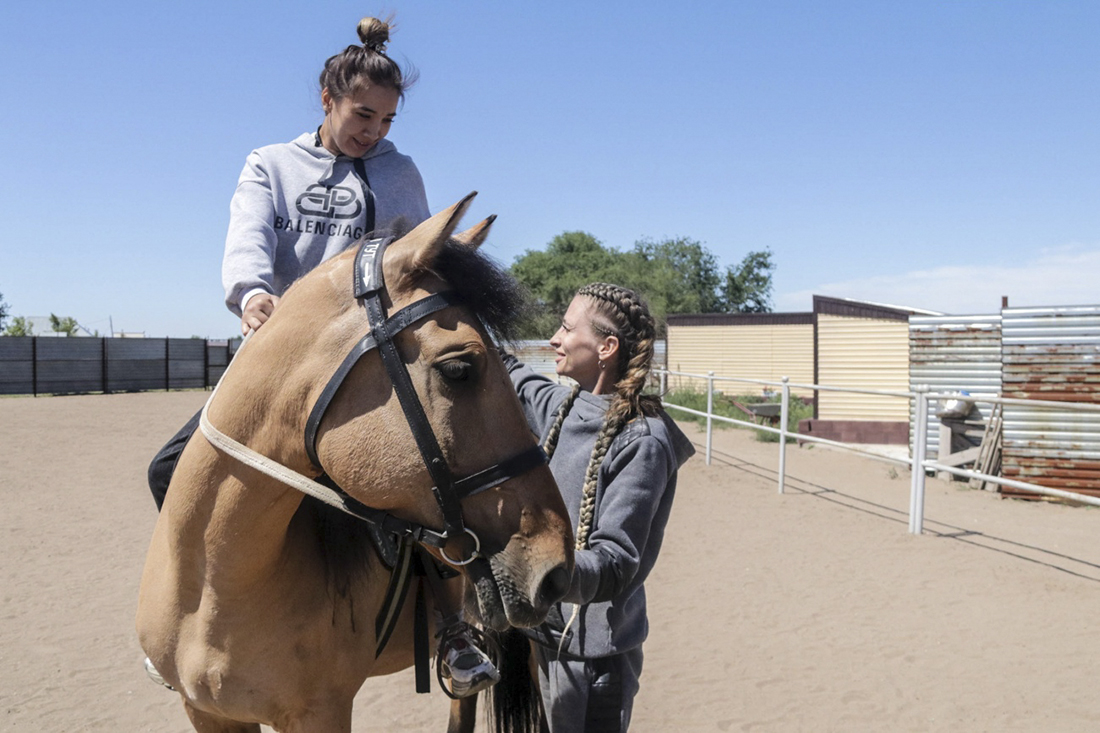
{"points": [[710, 412], [784, 413], [920, 447], [664, 382], [106, 366], [103, 365]]}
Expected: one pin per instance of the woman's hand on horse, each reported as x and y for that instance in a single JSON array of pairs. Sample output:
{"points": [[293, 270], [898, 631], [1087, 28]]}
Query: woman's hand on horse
{"points": [[257, 311]]}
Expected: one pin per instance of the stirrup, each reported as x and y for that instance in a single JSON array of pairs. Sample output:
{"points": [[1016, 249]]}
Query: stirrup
{"points": [[154, 675], [481, 645]]}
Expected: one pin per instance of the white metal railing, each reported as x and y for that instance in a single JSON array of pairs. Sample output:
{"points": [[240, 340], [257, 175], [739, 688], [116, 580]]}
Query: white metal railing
{"points": [[920, 398]]}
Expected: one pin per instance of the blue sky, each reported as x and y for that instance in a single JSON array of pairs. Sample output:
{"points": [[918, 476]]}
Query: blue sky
{"points": [[930, 154]]}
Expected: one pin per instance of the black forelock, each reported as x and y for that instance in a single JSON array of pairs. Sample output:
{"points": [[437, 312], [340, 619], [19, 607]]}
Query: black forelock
{"points": [[485, 288]]}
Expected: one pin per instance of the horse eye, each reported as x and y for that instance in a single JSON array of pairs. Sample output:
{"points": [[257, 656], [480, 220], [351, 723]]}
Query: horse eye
{"points": [[455, 370]]}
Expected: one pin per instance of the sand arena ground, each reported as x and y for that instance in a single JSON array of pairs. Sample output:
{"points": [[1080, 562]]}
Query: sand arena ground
{"points": [[811, 611]]}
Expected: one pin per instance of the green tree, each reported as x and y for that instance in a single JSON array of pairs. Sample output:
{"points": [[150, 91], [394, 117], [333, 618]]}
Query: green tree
{"points": [[748, 286], [676, 276], [570, 260], [66, 325], [20, 326], [5, 309]]}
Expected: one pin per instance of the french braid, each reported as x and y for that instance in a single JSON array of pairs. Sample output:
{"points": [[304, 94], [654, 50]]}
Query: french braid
{"points": [[621, 313], [554, 433]]}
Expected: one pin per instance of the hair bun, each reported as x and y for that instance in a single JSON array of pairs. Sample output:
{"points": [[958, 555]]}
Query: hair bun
{"points": [[374, 34]]}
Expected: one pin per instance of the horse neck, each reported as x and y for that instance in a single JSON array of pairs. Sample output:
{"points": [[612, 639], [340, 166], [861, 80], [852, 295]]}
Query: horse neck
{"points": [[262, 403]]}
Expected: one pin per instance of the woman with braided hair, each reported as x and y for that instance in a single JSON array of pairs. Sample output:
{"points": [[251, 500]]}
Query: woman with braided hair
{"points": [[614, 454]]}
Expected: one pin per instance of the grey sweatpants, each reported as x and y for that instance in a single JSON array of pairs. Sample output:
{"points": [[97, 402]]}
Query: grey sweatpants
{"points": [[588, 695]]}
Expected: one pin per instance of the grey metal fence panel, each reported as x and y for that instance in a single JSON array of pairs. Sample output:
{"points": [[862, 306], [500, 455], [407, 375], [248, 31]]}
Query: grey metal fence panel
{"points": [[16, 365], [69, 365], [952, 354], [186, 363], [136, 349], [16, 377], [16, 348], [136, 365], [79, 365], [217, 358], [186, 374], [69, 349]]}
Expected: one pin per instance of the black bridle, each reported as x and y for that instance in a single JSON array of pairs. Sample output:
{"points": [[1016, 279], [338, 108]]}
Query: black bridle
{"points": [[449, 491]]}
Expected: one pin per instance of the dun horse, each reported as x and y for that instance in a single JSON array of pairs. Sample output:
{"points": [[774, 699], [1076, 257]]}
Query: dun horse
{"points": [[258, 604]]}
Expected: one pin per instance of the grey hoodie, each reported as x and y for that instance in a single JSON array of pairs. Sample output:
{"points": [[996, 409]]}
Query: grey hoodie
{"points": [[297, 204], [637, 482]]}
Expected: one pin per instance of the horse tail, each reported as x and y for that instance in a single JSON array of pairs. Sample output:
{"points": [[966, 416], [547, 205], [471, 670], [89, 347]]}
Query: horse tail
{"points": [[516, 697]]}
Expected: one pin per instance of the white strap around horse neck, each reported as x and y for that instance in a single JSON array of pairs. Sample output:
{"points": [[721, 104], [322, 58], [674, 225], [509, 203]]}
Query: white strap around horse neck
{"points": [[260, 462]]}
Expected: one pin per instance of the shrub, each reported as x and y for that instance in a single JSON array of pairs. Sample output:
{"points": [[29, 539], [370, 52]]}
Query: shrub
{"points": [[796, 410], [696, 399]]}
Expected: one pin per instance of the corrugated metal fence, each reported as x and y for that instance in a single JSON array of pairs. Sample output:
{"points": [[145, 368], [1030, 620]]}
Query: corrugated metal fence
{"points": [[1052, 354], [33, 365], [953, 354]]}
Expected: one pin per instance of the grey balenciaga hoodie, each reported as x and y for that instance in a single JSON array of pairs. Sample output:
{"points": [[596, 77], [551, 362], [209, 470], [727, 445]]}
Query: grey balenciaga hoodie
{"points": [[297, 204], [637, 482]]}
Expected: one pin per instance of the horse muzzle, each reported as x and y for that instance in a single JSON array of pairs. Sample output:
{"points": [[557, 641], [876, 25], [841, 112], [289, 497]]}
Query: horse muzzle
{"points": [[508, 594]]}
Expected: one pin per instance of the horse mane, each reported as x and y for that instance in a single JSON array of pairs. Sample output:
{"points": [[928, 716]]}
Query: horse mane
{"points": [[501, 303]]}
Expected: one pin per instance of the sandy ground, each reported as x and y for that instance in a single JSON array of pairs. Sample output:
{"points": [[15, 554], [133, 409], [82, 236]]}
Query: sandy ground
{"points": [[809, 611]]}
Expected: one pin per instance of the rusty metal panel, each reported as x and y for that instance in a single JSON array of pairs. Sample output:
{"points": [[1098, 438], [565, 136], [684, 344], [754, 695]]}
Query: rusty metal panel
{"points": [[953, 354], [1052, 354]]}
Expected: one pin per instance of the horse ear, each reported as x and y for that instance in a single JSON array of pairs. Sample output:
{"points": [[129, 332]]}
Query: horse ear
{"points": [[475, 236], [418, 249]]}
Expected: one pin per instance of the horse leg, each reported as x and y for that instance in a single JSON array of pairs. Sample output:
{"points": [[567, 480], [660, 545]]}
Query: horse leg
{"points": [[463, 715], [207, 723]]}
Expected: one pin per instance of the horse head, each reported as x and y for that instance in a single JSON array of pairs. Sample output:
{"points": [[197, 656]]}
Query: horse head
{"points": [[368, 443]]}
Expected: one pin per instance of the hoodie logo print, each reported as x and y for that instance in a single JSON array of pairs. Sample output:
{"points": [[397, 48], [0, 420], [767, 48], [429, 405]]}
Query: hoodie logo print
{"points": [[333, 202]]}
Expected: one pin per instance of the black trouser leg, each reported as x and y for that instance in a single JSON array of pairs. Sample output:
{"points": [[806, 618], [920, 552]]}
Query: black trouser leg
{"points": [[164, 463]]}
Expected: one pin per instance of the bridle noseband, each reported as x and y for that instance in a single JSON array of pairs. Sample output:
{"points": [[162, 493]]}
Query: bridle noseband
{"points": [[448, 491]]}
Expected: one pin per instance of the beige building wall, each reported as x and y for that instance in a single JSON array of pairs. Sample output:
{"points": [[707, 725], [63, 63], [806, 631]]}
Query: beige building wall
{"points": [[866, 353], [767, 352]]}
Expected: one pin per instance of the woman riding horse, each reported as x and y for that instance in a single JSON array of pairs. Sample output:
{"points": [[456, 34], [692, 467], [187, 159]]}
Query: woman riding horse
{"points": [[300, 203]]}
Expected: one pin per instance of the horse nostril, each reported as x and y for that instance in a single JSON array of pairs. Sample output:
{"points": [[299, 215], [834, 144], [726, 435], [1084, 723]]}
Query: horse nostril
{"points": [[554, 586]]}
